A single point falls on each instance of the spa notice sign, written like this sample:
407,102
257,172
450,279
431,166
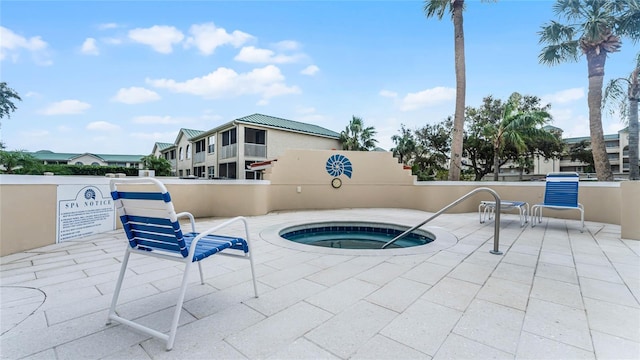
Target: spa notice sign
84,210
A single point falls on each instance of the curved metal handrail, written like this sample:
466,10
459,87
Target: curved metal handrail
496,230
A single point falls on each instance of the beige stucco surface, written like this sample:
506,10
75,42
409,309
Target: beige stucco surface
299,180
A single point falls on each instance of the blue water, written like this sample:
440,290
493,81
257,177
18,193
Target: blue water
345,236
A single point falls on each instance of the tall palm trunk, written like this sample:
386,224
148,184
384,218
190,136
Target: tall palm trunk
634,97
595,65
455,164
496,162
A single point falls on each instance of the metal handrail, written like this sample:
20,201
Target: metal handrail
496,230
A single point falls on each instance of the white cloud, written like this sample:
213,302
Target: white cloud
102,126
224,82
112,41
387,93
207,37
90,47
155,136
155,120
564,96
413,101
135,95
287,45
305,110
108,26
66,107
160,38
251,54
32,94
12,44
35,133
262,102
310,70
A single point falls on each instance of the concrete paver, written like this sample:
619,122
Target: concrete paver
554,293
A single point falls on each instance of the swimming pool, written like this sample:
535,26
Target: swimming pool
355,235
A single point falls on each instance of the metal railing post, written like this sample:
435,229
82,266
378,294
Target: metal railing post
496,229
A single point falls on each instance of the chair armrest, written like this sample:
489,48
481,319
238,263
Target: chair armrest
191,219
218,227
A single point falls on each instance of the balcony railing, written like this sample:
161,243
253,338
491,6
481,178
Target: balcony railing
199,157
229,151
255,150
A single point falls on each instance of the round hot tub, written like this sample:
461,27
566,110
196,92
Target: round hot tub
355,235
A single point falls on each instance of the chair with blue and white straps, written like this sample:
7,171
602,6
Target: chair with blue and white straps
152,229
560,193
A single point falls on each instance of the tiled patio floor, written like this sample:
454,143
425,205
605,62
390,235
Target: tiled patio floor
556,293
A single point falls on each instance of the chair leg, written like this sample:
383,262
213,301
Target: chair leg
176,313
253,273
201,275
116,292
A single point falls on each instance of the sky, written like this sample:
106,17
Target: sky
115,77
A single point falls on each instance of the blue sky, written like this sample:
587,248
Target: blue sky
116,77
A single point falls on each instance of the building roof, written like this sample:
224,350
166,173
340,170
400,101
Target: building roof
575,140
163,146
272,121
47,155
188,133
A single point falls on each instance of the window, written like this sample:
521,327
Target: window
188,172
173,154
255,136
250,174
227,170
95,164
79,163
188,151
212,144
229,137
198,171
180,173
200,146
181,154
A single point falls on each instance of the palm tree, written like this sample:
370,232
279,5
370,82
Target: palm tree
405,145
595,28
515,126
438,8
358,137
10,161
627,101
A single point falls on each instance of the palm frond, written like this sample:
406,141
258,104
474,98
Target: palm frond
437,8
556,54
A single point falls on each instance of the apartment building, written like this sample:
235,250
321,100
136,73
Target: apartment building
50,157
226,151
617,150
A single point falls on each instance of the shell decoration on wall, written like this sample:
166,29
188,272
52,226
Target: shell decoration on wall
339,164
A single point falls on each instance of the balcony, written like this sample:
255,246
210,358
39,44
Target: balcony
229,151
255,150
199,157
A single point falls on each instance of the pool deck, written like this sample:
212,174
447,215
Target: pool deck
555,293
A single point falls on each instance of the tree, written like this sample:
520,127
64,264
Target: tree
625,93
7,97
161,165
516,126
432,149
405,145
438,8
581,152
594,28
478,142
358,137
12,162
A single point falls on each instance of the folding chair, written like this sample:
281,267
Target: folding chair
152,228
561,193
